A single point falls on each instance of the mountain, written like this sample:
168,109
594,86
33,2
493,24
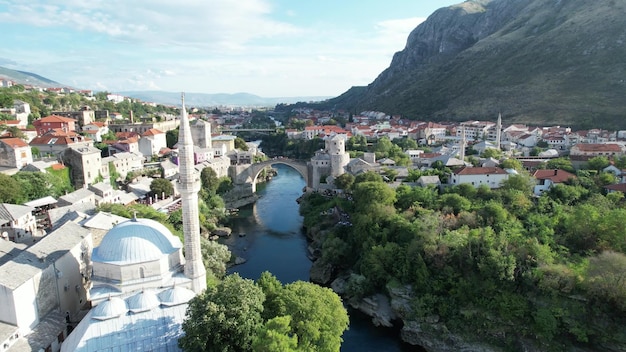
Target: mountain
536,61
222,99
23,77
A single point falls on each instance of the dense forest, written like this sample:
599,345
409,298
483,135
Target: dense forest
497,266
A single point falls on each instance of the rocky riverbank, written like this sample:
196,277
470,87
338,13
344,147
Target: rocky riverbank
393,307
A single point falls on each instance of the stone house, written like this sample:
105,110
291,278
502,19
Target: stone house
15,153
85,164
17,223
124,162
96,130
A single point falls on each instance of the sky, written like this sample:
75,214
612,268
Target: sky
270,48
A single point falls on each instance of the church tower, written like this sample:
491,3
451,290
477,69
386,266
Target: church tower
189,186
498,130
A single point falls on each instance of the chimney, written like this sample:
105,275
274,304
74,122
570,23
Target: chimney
556,171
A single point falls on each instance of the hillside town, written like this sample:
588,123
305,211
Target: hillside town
47,242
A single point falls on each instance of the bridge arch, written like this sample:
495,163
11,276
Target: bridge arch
250,174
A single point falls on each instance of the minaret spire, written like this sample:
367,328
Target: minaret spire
498,130
189,186
463,144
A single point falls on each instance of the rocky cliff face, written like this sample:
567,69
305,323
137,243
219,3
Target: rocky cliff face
536,61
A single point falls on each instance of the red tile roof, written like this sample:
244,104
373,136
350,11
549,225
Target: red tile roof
590,147
152,132
54,118
14,142
620,187
554,175
480,171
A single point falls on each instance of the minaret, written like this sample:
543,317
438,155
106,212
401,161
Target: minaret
463,144
189,186
498,130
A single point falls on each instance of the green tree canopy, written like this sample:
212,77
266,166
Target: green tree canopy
162,187
318,317
240,144
344,181
225,318
209,180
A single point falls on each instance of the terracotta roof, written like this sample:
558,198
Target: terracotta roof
152,132
554,175
620,187
14,142
57,166
480,171
10,122
590,147
54,118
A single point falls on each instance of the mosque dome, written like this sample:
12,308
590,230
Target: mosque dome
111,308
136,241
142,301
176,295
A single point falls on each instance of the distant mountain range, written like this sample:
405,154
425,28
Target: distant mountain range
548,62
23,77
220,99
169,98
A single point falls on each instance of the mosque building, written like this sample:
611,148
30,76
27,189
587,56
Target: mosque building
141,280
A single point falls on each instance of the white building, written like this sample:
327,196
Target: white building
151,143
43,287
477,176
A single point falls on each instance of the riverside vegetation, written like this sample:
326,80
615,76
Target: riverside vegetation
499,268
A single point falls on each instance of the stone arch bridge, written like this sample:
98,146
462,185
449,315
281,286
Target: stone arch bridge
249,175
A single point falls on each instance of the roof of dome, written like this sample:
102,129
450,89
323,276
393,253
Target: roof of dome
142,301
176,295
136,241
111,308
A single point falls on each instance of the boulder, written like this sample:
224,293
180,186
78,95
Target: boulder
321,273
222,231
377,307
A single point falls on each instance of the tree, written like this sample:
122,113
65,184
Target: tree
368,193
276,335
455,202
224,318
512,164
560,163
209,180
491,153
598,163
215,256
344,181
520,182
10,190
162,187
607,278
171,138
240,144
318,316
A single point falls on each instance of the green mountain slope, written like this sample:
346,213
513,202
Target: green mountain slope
536,61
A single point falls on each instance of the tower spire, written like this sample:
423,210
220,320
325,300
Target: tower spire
189,186
498,130
463,144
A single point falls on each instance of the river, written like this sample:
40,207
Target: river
269,236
